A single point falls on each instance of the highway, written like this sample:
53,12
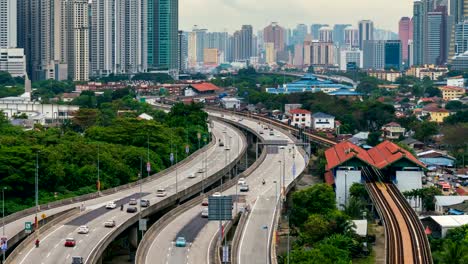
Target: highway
52,248
200,233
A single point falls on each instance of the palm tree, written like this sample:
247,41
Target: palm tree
454,253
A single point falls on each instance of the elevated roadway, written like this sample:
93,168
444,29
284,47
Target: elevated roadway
262,199
52,248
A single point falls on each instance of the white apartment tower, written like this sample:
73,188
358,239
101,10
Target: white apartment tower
8,23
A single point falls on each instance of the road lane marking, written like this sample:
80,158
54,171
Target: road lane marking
29,252
243,231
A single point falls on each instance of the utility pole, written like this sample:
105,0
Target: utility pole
98,171
176,172
148,158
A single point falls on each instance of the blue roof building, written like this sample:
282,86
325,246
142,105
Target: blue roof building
310,83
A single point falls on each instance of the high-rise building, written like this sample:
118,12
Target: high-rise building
218,40
436,46
163,27
192,49
270,53
275,34
103,41
350,56
8,22
322,53
298,59
299,34
419,31
211,57
351,37
314,30
339,33
366,31
405,33
13,61
326,34
183,50
461,37
76,36
374,54
393,54
242,43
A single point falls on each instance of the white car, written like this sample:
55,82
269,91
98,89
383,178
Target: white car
83,229
201,170
133,201
110,223
192,176
161,192
111,205
242,181
216,194
204,213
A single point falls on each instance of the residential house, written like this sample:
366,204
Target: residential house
436,158
230,103
393,130
322,121
443,202
452,92
438,225
436,114
300,117
413,143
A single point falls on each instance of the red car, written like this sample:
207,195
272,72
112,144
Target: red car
205,202
70,242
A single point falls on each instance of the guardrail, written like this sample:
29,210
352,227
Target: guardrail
52,221
168,201
18,215
237,236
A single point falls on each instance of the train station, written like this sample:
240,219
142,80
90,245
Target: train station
348,163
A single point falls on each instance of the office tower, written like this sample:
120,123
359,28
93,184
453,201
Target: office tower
13,61
366,31
288,37
436,47
326,34
274,34
192,49
314,30
410,53
77,38
374,54
393,54
339,33
270,53
163,27
103,42
405,33
254,46
461,37
419,31
350,56
322,53
217,40
299,34
298,59
202,43
8,23
211,57
383,34
351,37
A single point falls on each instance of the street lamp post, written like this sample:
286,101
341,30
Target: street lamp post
3,218
280,179
98,171
265,227
276,190
36,184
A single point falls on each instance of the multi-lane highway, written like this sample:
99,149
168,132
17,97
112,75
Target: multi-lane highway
52,248
261,198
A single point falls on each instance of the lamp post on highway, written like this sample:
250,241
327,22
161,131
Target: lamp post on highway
276,190
176,173
36,184
98,171
280,180
265,227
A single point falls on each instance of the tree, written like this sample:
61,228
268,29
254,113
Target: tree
315,229
458,117
85,118
367,85
358,190
452,253
6,79
454,105
425,130
318,199
427,196
373,138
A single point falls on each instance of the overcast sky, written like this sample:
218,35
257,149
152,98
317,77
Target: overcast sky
220,15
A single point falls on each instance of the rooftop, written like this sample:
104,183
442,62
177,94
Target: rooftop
450,220
204,87
299,111
443,200
344,151
387,153
322,115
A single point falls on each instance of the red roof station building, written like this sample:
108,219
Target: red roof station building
205,88
347,161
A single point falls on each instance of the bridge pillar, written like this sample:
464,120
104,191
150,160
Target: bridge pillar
133,237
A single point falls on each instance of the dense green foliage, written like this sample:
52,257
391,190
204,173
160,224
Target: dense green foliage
427,195
10,86
324,234
453,248
68,155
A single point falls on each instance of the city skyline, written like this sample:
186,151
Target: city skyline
235,13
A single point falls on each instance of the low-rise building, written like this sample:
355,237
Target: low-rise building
322,121
436,158
443,202
230,102
436,114
457,81
205,88
393,130
438,225
452,92
431,71
300,117
390,76
13,61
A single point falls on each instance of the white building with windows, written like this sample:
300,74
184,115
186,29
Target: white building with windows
300,117
13,61
322,121
351,56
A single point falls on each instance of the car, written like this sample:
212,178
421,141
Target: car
241,181
161,192
272,133
221,144
144,203
132,209
133,201
244,188
111,205
77,260
201,170
204,213
227,148
216,194
180,242
261,132
109,223
192,176
83,229
70,242
205,202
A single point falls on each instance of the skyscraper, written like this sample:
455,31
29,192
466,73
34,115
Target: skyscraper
8,22
326,34
322,53
405,33
102,38
436,47
314,30
374,54
299,34
419,31
163,27
183,51
393,54
339,33
276,35
218,40
351,37
366,31
242,48
461,37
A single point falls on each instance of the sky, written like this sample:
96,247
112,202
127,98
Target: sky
229,15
